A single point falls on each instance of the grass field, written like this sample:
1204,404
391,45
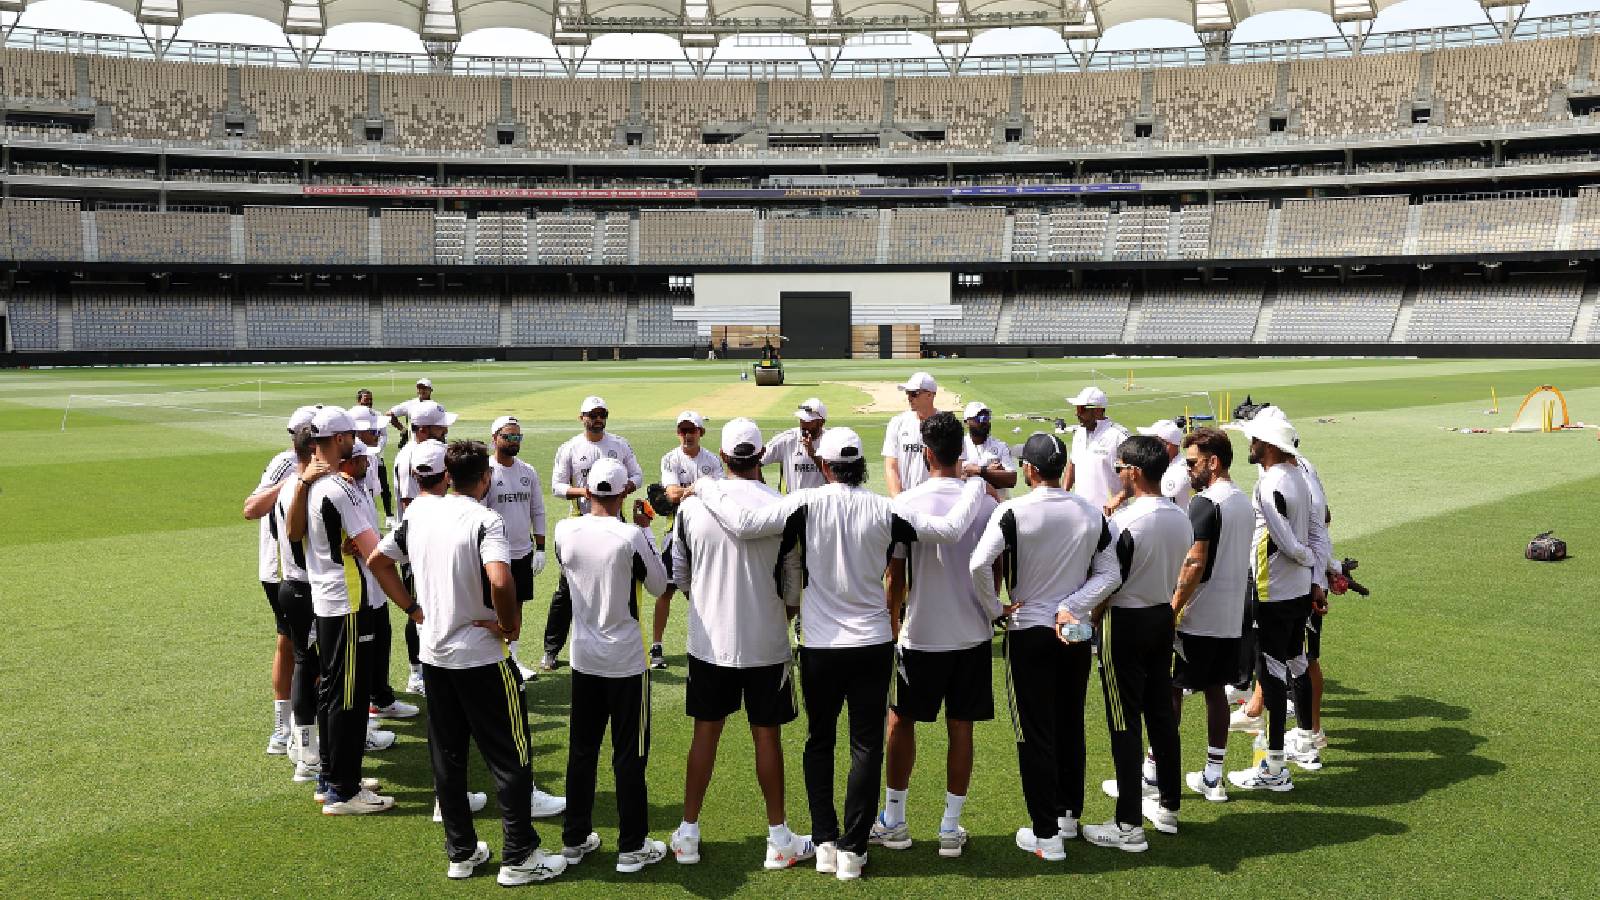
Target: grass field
134,699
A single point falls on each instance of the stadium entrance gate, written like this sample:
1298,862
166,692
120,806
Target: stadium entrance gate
814,325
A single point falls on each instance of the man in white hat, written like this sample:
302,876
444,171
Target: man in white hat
258,506
680,467
1284,586
568,479
358,469
407,408
986,456
1175,482
740,597
515,494
903,465
847,646
1091,464
429,422
604,558
796,448
377,443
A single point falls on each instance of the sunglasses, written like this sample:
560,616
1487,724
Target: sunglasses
981,418
513,438
1193,463
597,414
915,393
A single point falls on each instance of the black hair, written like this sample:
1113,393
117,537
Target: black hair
360,392
304,441
942,433
743,465
429,482
852,473
466,461
1212,442
1146,453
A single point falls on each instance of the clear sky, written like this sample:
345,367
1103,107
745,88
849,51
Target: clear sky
80,15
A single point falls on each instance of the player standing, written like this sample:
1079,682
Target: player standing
1091,467
681,467
903,465
796,448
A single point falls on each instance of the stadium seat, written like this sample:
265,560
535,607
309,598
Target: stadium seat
126,322
1527,309
705,236
1064,315
1208,104
306,320
1190,314
33,322
1334,314
845,236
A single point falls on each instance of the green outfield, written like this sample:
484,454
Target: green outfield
135,704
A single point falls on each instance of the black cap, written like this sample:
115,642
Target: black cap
1045,452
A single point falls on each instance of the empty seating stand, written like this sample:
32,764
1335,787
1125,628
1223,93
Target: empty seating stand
850,238
305,234
1489,224
568,320
1334,314
959,234
151,323
656,325
1215,314
43,229
181,237
1529,309
980,313
307,319
1066,316
704,236
1357,226
435,320
33,321
407,236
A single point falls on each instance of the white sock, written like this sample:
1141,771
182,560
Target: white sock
1214,759
280,717
511,648
1274,761
779,835
689,829
952,812
894,807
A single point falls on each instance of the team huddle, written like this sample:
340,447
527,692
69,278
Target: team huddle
1132,553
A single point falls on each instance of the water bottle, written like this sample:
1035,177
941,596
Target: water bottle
1075,632
1258,753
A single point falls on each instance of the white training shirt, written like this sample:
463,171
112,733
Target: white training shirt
800,471
1094,459
1059,556
403,410
291,554
678,468
902,440
373,591
605,561
448,540
1221,516
943,611
374,462
846,534
578,454
334,511
278,468
738,594
993,450
1319,539
405,480
1283,557
514,493
1152,537
1175,483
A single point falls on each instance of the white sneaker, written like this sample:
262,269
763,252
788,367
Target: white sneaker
278,744
1147,788
466,867
363,803
379,740
1128,838
575,855
529,673
1067,827
952,842
547,805
304,772
798,851
685,848
1165,820
649,853
415,685
539,866
1244,723
850,865
476,801
1302,751
367,784
399,709
828,858
894,837
1049,849
1320,739
1261,778
548,663
1215,791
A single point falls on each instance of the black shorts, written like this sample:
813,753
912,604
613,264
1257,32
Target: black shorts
1200,662
1314,636
278,618
715,692
962,681
522,575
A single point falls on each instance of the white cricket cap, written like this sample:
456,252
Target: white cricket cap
502,422
742,438
920,381
839,445
1091,397
607,478
1270,430
429,412
590,404
360,449
974,408
302,417
425,382
427,458
812,410
1167,430
1271,413
331,420
365,418
690,415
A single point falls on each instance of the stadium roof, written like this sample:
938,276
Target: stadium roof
703,23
